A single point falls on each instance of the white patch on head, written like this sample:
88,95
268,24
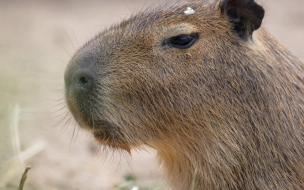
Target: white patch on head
189,11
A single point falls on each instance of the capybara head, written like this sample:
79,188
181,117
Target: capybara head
220,100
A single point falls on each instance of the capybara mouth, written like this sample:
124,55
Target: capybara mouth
105,133
111,136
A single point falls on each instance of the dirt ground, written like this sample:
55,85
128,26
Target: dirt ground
37,39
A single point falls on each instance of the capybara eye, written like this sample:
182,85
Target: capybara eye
182,41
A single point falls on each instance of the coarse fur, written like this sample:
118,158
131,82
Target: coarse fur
226,113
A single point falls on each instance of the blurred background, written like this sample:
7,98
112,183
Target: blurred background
37,39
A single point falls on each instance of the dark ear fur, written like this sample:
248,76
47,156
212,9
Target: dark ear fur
245,15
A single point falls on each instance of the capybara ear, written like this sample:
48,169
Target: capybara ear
245,15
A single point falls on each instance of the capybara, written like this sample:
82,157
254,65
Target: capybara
205,85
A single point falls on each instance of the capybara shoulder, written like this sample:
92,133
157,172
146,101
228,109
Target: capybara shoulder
204,84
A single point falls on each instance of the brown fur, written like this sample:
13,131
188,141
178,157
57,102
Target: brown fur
223,114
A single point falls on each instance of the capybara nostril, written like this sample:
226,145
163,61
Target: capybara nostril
84,80
78,81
